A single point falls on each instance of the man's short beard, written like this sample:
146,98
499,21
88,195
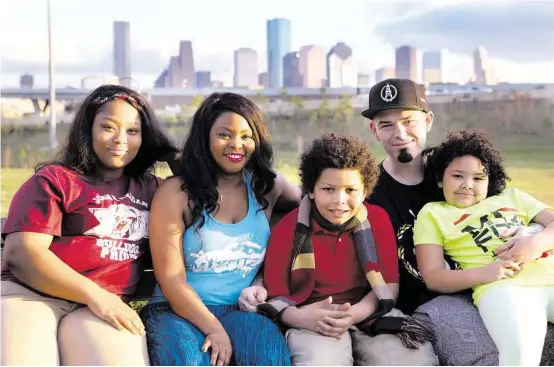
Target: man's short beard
404,156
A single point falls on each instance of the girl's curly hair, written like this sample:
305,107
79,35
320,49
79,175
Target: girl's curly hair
458,144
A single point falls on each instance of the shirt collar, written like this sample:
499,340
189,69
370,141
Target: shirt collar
317,229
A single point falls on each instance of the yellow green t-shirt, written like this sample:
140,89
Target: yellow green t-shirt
470,235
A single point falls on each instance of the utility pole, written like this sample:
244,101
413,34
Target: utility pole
53,139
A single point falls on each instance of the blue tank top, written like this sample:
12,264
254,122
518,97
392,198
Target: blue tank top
223,259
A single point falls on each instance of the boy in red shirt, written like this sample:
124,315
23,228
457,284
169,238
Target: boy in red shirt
331,268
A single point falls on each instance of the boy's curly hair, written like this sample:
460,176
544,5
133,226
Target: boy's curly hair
474,143
337,151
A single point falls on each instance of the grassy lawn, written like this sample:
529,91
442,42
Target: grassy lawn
530,168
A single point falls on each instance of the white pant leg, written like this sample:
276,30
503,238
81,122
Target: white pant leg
515,318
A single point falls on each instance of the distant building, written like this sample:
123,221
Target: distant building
341,70
433,66
313,66
263,80
246,68
174,75
406,63
162,80
482,69
180,73
186,63
291,70
122,52
26,81
384,73
203,79
278,45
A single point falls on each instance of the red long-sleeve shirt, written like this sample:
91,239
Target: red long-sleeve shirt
338,272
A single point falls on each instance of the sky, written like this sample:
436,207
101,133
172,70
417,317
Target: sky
519,34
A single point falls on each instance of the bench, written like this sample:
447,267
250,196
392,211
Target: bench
147,282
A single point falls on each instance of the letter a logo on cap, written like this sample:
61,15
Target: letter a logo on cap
388,93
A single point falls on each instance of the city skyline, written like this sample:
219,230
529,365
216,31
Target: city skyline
86,50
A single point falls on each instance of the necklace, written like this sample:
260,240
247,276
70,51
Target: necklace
220,194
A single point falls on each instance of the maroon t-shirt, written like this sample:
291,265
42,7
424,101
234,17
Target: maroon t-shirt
100,228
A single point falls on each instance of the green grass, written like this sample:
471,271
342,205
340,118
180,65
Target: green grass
531,170
12,179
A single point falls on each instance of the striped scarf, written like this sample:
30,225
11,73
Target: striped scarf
302,278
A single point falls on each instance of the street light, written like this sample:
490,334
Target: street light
53,140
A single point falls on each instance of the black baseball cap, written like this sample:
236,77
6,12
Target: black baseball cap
396,94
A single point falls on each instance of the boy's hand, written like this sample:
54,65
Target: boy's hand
327,319
251,297
333,327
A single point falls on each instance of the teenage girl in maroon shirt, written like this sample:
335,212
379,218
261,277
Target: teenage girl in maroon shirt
75,237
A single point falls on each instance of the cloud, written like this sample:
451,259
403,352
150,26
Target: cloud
520,31
142,61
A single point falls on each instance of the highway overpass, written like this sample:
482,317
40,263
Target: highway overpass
69,93
162,97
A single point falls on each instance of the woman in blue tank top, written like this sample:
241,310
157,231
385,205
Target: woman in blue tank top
208,235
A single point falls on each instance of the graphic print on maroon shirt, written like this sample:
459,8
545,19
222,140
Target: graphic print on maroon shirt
100,229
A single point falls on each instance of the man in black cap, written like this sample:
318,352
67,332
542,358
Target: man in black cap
400,119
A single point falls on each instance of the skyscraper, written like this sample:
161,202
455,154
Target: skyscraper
291,70
406,63
122,51
313,66
175,80
433,66
278,45
186,64
481,67
246,68
341,71
203,79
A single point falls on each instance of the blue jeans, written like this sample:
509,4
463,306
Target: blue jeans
173,341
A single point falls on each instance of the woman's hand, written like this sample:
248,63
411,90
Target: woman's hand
112,309
221,347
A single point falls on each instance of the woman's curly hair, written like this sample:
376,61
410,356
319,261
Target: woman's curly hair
474,143
338,151
199,176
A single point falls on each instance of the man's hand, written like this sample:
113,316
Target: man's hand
251,297
521,248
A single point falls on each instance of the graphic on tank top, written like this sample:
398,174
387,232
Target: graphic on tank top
241,254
